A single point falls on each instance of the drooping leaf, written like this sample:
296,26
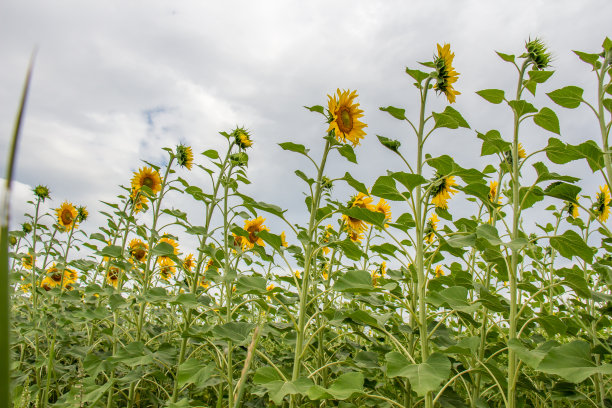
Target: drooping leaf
357,185
547,119
570,244
294,147
397,113
345,386
450,118
348,153
424,377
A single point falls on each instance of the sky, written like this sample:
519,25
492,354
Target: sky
116,81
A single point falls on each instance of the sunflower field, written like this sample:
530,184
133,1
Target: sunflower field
386,298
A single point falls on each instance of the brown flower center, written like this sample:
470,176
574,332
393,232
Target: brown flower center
148,181
345,120
66,217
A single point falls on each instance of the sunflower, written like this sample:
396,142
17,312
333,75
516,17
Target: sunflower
189,262
521,154
297,274
55,277
167,268
204,283
242,138
375,277
384,208
184,156
210,264
253,227
67,216
602,203
442,190
355,235
572,209
493,192
537,54
446,74
345,116
430,230
149,177
270,287
82,214
439,271
162,259
42,192
283,238
112,276
138,249
138,200
27,261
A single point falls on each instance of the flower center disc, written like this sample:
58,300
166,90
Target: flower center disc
346,121
148,181
66,217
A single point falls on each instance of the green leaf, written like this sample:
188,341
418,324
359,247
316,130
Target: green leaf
238,332
574,278
568,97
273,240
354,281
260,205
591,59
505,57
277,390
294,147
254,285
390,144
530,357
193,371
410,181
384,187
571,361
385,248
265,375
522,107
162,249
424,377
559,152
350,249
348,153
345,386
316,108
450,118
571,244
455,297
552,324
540,76
372,217
492,95
547,119
461,240
112,251
492,143
563,191
357,185
212,154
397,113
418,76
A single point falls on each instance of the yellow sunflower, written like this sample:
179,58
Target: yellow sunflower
138,249
270,287
27,261
439,271
149,177
242,138
67,215
283,237
184,156
297,274
430,230
446,74
384,208
112,276
189,262
167,268
55,278
442,191
375,277
138,200
602,203
572,209
493,192
345,116
253,227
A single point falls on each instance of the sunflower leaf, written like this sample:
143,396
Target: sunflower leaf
418,75
505,57
372,217
357,185
492,95
589,59
354,281
384,187
211,153
492,143
162,249
563,191
450,118
547,119
347,152
522,107
316,108
111,251
390,144
410,181
540,76
424,377
571,244
397,113
569,97
294,147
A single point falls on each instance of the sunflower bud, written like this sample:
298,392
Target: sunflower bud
26,227
82,214
242,138
42,192
326,183
184,156
12,240
537,54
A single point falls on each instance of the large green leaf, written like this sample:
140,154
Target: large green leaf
348,153
194,371
238,332
357,185
384,187
572,361
522,107
492,143
568,97
450,118
410,181
277,390
563,191
354,281
424,377
345,386
397,113
571,244
454,297
492,95
294,147
372,217
547,119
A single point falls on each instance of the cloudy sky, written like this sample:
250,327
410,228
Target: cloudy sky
115,81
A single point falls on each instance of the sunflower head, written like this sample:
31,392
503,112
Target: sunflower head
137,200
270,287
384,208
537,53
493,193
27,261
82,214
344,116
572,209
601,207
242,138
138,249
446,75
439,271
184,156
283,237
167,268
442,189
42,192
174,244
149,177
253,227
189,262
67,216
430,230
112,276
